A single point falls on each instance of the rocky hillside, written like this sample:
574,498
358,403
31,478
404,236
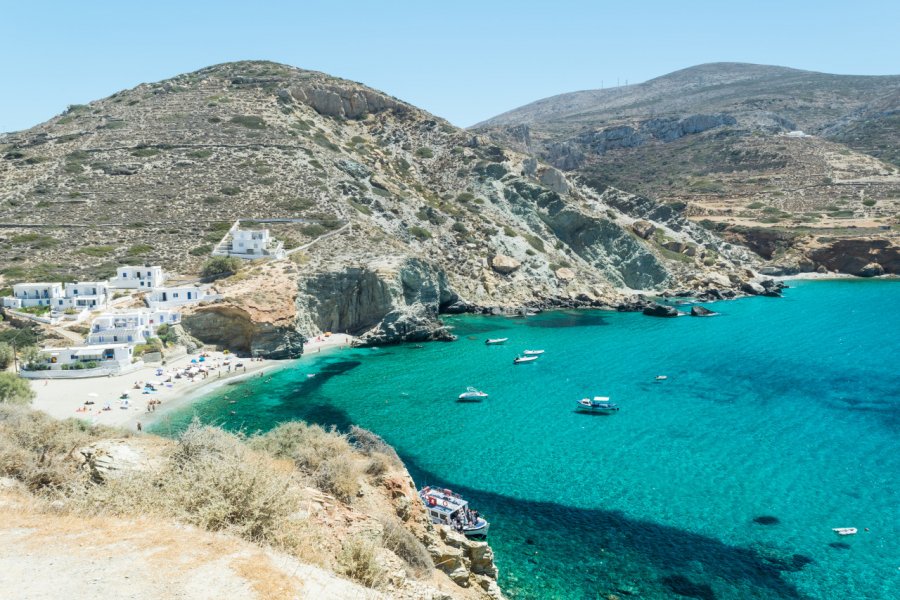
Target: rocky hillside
722,143
298,512
428,218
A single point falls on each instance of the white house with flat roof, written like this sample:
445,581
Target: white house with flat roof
92,295
137,278
84,361
34,294
130,327
169,297
254,243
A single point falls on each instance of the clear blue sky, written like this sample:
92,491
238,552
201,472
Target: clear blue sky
462,60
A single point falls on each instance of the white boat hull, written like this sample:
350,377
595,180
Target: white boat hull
478,530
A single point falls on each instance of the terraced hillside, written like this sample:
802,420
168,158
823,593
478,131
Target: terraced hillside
723,141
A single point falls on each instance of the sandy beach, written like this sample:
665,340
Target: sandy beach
87,398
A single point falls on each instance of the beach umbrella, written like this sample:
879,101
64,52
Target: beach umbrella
93,395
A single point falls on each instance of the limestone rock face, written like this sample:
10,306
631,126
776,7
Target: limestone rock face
701,311
340,101
643,228
234,327
554,180
504,264
111,458
864,257
565,274
660,310
387,300
753,288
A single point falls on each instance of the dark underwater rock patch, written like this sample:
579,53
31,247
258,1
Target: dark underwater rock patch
682,586
766,520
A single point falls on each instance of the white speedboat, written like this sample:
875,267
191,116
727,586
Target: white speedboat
845,530
598,404
472,395
494,341
447,508
524,359
533,352
662,377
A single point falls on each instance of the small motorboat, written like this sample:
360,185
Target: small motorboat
845,530
524,359
662,377
494,341
599,404
533,352
472,395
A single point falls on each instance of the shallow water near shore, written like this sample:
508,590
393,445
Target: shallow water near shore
786,408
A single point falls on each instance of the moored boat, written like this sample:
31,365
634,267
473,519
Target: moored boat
599,404
450,509
524,359
845,530
494,341
533,352
472,395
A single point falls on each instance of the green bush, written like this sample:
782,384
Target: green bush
248,121
419,233
139,249
6,356
14,390
220,266
424,152
230,190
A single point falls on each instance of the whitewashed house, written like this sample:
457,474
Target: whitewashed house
34,294
254,243
137,278
130,327
168,297
83,361
92,295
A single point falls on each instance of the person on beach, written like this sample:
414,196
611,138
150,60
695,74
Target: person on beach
139,426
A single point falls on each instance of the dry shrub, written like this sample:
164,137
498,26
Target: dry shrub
213,481
339,475
370,443
378,465
325,455
37,449
358,560
399,540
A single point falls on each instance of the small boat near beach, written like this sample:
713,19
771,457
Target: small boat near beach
845,530
662,377
472,395
448,508
495,341
524,359
533,352
598,404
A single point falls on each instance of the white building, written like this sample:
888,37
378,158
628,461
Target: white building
168,297
111,358
137,278
34,294
130,327
84,294
254,243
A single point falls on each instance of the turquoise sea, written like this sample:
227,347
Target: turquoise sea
786,408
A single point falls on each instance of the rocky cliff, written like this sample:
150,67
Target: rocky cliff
766,155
